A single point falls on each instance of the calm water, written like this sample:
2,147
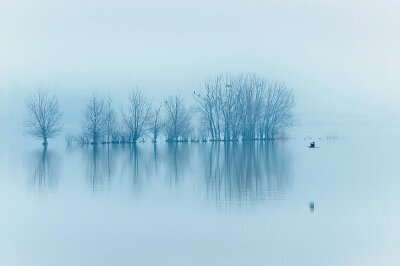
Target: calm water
201,203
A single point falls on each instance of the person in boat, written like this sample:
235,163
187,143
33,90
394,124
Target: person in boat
312,144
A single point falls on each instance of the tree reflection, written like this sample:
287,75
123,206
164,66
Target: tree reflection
135,164
177,157
100,165
233,173
45,172
246,173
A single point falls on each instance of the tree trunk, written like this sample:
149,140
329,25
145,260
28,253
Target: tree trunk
45,141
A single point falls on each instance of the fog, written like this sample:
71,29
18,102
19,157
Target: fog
340,57
326,193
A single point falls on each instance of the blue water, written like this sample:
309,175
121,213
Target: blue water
202,203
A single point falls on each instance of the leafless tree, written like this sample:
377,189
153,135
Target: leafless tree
202,131
137,115
117,133
230,109
210,104
177,124
278,111
251,96
245,105
43,118
95,116
156,125
231,104
110,121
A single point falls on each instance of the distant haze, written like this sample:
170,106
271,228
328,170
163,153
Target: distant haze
340,57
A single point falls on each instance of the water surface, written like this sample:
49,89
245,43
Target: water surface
242,203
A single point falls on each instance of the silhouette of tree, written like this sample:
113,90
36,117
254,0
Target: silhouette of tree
177,124
137,115
156,125
95,119
43,118
110,121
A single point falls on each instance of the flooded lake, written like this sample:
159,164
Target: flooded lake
244,203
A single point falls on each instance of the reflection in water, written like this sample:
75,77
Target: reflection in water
45,172
231,173
249,172
134,165
100,165
177,158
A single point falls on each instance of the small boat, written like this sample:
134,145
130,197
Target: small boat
312,145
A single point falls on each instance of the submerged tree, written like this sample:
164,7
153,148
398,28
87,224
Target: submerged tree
245,105
110,121
278,110
229,108
177,124
156,124
251,94
136,116
94,126
43,118
210,104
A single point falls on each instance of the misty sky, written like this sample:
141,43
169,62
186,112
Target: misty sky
340,57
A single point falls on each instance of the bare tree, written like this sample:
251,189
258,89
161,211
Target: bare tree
278,111
230,108
95,116
231,104
245,105
110,121
136,116
156,125
210,104
251,96
43,118
202,131
177,124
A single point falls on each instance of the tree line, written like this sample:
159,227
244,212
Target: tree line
228,108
